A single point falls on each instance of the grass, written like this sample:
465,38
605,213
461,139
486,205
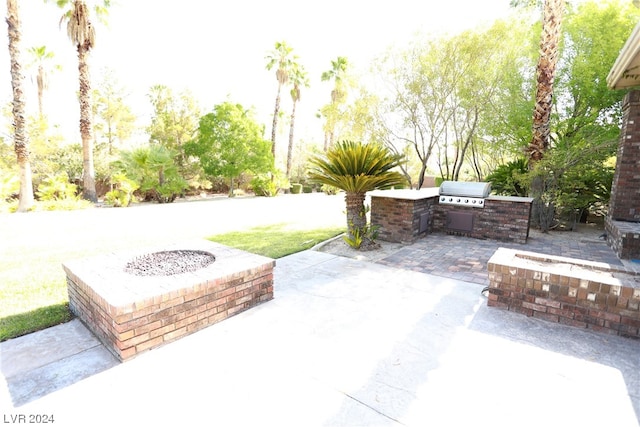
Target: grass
34,320
33,291
33,288
275,241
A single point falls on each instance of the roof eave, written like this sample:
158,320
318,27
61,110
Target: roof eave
628,54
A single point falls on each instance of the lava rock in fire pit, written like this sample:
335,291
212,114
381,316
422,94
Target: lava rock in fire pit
168,263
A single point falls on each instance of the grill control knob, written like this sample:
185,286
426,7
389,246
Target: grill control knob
481,202
442,199
458,200
451,199
474,202
466,200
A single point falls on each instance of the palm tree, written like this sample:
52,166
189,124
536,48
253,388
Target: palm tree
356,168
282,58
545,74
42,59
542,214
82,34
337,73
21,144
298,79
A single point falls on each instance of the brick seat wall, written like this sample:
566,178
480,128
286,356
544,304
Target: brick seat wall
582,299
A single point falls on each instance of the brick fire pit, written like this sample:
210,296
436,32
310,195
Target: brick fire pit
139,300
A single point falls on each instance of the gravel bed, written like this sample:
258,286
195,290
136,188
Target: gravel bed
168,263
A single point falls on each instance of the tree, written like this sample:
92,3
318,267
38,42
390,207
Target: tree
417,112
584,120
113,119
584,114
229,142
82,35
542,212
545,75
298,79
283,59
585,124
587,110
443,95
153,169
337,73
174,123
20,141
356,168
43,59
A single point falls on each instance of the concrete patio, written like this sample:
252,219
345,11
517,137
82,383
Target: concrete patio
345,342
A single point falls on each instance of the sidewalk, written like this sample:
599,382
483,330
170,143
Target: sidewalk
344,343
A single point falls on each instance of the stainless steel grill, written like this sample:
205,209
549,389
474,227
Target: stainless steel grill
464,193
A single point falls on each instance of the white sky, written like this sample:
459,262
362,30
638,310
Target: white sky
217,48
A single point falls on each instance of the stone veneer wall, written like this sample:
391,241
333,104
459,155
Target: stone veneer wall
593,301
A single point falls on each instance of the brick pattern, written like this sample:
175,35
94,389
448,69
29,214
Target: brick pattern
128,330
399,219
564,298
624,238
624,204
503,218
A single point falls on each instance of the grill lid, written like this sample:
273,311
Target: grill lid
465,189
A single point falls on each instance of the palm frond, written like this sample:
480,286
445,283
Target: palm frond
356,167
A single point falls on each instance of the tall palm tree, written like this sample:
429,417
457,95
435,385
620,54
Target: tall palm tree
542,213
282,58
337,74
298,79
545,75
82,35
20,141
356,168
42,58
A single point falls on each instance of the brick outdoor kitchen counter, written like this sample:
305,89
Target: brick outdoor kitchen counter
407,215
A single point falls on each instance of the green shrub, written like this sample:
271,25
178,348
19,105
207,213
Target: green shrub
329,189
296,188
154,168
508,179
307,189
263,185
56,188
122,194
356,237
9,186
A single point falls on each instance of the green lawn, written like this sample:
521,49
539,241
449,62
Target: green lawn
275,241
34,291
